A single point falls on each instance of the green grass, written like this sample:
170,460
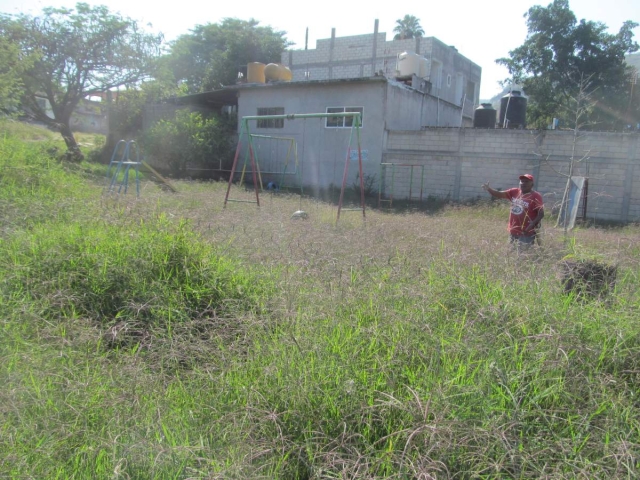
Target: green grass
167,337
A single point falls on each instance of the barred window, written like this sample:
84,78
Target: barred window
343,122
271,122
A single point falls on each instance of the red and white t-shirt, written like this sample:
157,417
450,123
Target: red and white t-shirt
524,208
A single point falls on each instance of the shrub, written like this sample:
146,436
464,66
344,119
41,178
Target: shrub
151,276
588,279
191,139
369,183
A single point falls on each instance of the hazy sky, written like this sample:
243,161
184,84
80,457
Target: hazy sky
481,31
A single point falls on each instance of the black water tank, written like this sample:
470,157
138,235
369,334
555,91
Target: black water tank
484,116
513,107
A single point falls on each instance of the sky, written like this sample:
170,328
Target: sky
481,31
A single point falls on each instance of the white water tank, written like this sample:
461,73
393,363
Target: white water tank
408,64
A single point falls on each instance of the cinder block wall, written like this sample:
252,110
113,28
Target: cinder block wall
371,54
457,162
348,57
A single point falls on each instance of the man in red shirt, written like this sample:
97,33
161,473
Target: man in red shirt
527,209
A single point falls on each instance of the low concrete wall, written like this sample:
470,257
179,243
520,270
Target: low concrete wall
457,162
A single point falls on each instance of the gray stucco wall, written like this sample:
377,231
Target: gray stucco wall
408,109
321,151
404,108
453,64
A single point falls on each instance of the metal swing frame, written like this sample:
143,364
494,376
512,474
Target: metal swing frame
250,155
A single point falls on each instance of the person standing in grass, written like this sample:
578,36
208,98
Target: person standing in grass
527,210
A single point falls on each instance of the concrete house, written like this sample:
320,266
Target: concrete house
361,73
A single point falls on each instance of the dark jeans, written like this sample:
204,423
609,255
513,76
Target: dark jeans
522,239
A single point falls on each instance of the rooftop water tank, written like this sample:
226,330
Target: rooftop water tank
255,72
513,110
408,64
271,71
484,116
285,73
277,72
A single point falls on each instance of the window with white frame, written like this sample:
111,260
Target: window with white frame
343,122
271,122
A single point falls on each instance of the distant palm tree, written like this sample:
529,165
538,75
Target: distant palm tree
408,27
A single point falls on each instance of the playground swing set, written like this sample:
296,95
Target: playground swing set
292,153
251,156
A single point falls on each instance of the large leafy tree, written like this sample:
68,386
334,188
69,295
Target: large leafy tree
212,55
408,27
75,53
127,107
559,54
10,82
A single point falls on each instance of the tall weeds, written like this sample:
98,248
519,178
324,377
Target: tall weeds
166,337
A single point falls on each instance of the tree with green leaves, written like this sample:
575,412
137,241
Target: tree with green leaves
74,53
558,53
10,82
408,27
212,55
202,140
126,110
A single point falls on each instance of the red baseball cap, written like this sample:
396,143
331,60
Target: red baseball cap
526,176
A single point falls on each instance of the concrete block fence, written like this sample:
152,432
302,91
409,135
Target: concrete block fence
458,161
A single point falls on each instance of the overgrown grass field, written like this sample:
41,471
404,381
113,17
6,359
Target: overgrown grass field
168,338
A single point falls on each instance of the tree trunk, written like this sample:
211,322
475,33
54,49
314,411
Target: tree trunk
73,150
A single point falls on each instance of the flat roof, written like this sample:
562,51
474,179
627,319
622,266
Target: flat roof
302,83
229,95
